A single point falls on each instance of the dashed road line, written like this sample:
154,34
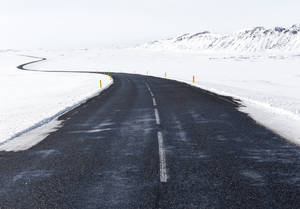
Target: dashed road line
154,102
161,151
157,116
162,158
148,87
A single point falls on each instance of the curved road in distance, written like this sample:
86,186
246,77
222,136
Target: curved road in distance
154,143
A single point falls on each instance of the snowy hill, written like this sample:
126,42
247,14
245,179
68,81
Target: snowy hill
256,40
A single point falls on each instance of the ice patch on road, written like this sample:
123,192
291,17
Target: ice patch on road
90,131
255,177
28,175
46,153
105,124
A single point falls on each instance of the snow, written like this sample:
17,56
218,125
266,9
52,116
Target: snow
30,138
31,99
268,86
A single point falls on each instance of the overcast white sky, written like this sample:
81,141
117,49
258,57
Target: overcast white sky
86,23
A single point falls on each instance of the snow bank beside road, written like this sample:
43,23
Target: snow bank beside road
269,88
31,98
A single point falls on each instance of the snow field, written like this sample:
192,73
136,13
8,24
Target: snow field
30,99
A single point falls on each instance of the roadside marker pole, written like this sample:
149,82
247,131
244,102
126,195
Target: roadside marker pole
100,84
165,74
193,79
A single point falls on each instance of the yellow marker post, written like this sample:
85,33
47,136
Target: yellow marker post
100,84
193,79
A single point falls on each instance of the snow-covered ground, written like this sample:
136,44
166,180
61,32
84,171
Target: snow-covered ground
29,99
268,86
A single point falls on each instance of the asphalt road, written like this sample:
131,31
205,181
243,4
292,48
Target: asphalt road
154,143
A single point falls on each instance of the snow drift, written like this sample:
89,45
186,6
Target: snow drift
256,40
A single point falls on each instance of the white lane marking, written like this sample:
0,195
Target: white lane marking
151,93
156,116
148,87
161,151
154,102
162,158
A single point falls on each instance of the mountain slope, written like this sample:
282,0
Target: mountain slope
258,39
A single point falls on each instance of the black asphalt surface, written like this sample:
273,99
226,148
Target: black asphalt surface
105,155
